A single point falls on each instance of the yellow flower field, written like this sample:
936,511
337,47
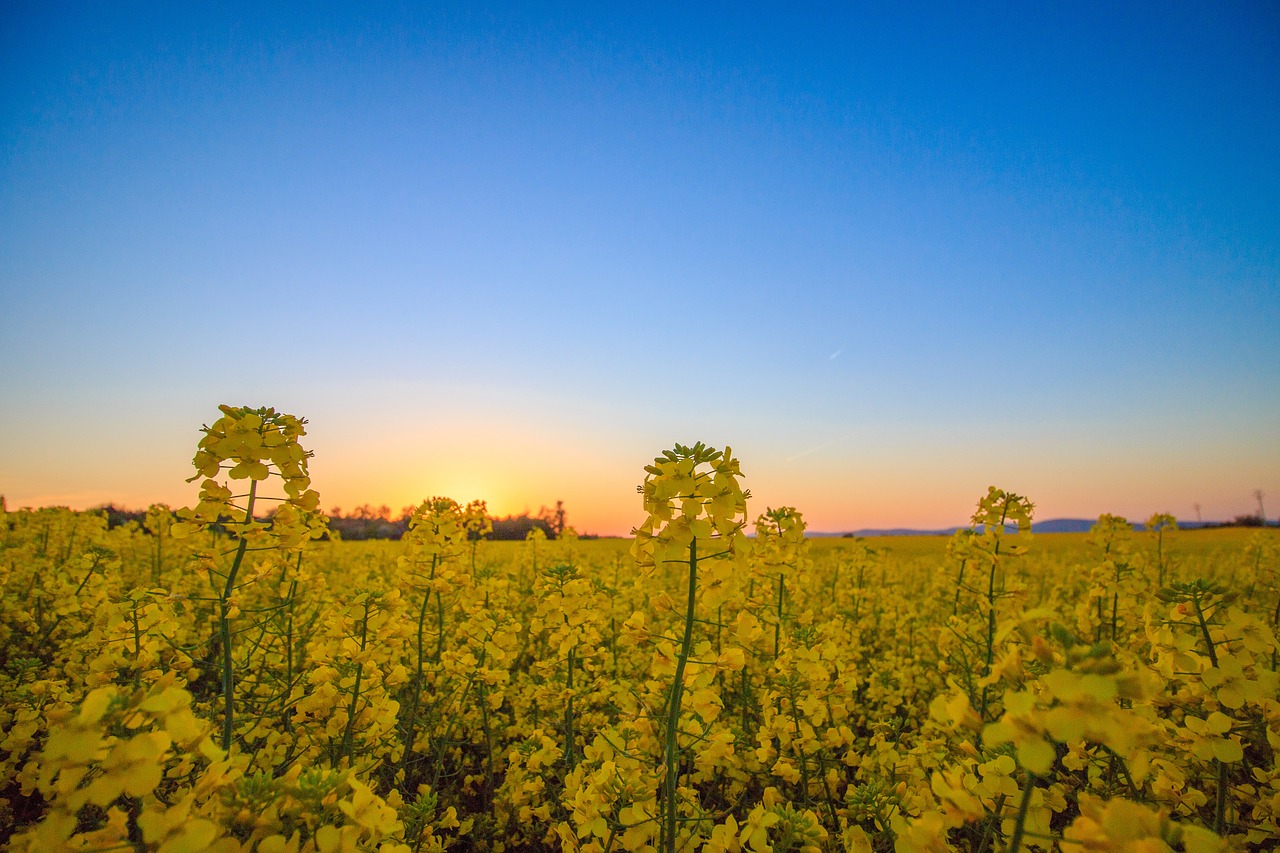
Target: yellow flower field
226,678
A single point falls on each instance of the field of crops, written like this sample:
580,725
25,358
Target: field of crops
235,681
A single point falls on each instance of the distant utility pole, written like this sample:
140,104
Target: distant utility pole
1262,513
1199,520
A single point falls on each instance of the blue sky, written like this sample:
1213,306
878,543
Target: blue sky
891,254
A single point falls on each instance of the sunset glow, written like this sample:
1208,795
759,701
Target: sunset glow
891,258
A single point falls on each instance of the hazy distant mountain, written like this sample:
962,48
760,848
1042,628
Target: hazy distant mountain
905,531
1063,525
1052,525
887,531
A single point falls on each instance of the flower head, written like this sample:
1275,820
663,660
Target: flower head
690,494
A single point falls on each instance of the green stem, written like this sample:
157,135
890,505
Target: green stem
1220,805
349,731
672,753
993,822
955,605
443,742
439,627
1020,825
137,649
777,628
991,613
568,714
1275,623
70,542
991,635
43,550
1160,556
487,794
159,565
411,721
1204,631
48,632
857,600
795,722
288,648
224,626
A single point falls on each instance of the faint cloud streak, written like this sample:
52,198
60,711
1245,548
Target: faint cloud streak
803,453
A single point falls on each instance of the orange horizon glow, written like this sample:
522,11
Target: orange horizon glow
892,476
592,509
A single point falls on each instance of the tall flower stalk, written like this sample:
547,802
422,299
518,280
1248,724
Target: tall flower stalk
780,551
996,511
696,514
254,445
436,539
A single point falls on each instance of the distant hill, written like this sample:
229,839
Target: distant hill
885,531
1064,525
1052,525
889,531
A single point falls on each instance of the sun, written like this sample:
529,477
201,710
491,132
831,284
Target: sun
463,489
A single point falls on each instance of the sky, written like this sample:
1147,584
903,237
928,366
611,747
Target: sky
892,254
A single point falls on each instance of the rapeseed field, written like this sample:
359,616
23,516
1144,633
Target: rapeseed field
227,677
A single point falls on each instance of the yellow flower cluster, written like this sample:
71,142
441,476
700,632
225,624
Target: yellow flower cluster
253,444
691,494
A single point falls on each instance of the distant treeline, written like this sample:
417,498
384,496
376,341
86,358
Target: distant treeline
369,522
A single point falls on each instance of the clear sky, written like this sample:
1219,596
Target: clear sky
892,254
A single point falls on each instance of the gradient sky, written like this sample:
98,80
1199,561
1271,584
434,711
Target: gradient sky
892,255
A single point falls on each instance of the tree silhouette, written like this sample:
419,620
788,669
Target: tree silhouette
553,518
